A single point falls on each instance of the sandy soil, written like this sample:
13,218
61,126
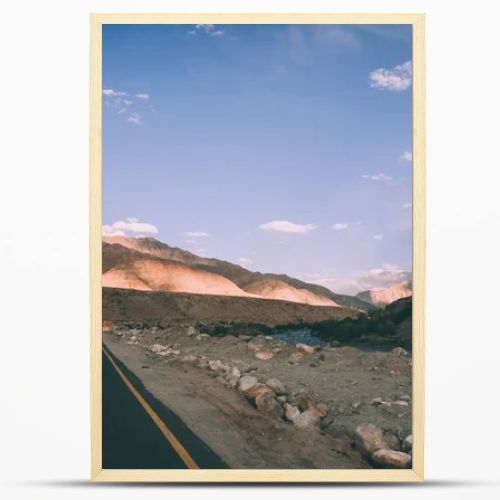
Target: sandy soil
353,386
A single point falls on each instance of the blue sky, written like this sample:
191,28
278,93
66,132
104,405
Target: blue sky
286,148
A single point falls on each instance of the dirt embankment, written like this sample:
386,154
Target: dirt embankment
259,402
171,308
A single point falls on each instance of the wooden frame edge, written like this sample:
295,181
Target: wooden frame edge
416,474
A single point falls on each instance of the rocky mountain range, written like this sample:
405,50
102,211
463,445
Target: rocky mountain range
149,265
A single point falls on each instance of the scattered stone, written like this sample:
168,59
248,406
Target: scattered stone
335,343
282,399
254,347
391,458
308,349
158,349
232,380
377,401
266,403
368,438
400,403
258,389
245,338
277,386
291,412
247,382
392,441
235,371
296,357
215,365
264,355
408,443
309,419
191,331
399,351
405,397
189,359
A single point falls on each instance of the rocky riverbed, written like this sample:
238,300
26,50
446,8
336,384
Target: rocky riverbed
261,402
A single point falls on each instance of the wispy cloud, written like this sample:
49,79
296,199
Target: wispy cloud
357,281
207,29
378,236
196,234
135,118
340,226
142,96
129,225
284,226
407,156
396,79
378,177
114,93
244,261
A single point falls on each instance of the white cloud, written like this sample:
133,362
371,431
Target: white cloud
196,234
339,226
201,250
378,177
129,225
244,261
284,226
378,236
358,281
135,118
191,241
396,79
407,156
113,93
142,96
208,29
407,205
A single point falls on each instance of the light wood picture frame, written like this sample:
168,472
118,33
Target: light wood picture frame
419,247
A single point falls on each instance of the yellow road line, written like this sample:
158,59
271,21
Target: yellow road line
181,451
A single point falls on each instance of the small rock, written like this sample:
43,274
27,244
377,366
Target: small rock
276,385
247,382
235,371
158,349
342,445
266,403
308,349
391,458
189,359
282,399
309,419
296,357
399,351
392,441
291,412
400,403
245,338
335,343
368,438
191,331
408,443
215,364
377,401
232,380
264,355
258,389
405,397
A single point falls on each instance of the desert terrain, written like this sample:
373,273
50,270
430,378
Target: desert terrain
270,372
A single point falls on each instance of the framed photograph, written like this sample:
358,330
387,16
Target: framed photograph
257,247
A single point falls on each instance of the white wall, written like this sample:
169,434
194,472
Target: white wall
43,246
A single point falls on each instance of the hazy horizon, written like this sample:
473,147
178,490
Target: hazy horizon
284,148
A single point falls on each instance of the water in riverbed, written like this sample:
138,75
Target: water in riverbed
298,336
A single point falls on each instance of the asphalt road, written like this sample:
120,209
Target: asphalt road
139,432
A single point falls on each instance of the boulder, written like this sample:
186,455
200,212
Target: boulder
368,438
391,458
258,389
399,351
276,385
392,441
247,382
296,357
291,412
408,443
308,349
309,419
264,355
232,380
266,403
